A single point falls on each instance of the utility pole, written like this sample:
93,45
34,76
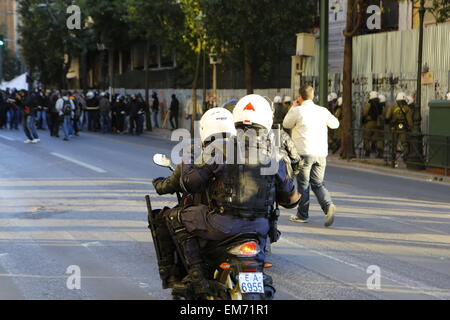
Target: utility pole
323,58
214,60
148,120
204,78
415,160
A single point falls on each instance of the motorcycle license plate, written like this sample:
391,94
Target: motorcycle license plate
251,282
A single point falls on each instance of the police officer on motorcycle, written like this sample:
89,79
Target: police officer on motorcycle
240,194
219,122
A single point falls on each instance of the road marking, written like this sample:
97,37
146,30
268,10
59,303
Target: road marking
415,286
7,138
132,143
87,244
96,169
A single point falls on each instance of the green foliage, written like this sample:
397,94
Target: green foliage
263,28
171,23
41,43
45,38
110,22
255,31
11,64
440,9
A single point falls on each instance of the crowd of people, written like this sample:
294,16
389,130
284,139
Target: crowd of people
71,112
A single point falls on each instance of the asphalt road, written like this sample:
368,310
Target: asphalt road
79,205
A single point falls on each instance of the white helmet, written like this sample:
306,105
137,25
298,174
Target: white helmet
277,99
409,100
373,95
216,121
287,99
401,96
90,94
254,109
448,96
382,98
332,96
339,101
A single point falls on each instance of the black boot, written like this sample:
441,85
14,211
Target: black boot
199,282
169,275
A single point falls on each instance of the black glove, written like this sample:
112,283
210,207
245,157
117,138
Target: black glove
158,184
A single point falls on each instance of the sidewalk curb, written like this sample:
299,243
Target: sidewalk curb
159,133
405,173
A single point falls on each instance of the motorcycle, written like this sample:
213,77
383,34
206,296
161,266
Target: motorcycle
232,271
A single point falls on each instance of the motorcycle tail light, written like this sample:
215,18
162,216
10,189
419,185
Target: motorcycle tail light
247,249
225,266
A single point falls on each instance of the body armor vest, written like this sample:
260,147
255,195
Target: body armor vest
242,190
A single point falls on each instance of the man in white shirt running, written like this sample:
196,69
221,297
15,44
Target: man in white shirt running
309,123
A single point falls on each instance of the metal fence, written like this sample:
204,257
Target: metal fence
416,150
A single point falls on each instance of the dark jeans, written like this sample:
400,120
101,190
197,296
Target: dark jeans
105,123
67,126
41,118
13,118
140,124
174,117
93,120
54,124
76,125
133,124
29,127
312,174
2,117
120,121
155,119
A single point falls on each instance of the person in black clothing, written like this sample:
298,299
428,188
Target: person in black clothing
120,110
140,114
54,123
155,109
174,110
14,109
92,107
40,111
133,114
30,104
114,100
3,111
76,99
45,102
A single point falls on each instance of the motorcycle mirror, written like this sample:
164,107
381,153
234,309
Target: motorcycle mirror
162,160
